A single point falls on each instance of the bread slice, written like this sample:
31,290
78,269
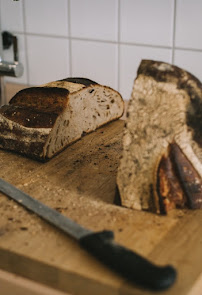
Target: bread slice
41,121
162,144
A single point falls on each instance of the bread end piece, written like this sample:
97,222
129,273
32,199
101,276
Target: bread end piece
165,107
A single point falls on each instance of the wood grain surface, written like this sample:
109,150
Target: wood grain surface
80,183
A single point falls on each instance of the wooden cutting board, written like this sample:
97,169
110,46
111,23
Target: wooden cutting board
80,183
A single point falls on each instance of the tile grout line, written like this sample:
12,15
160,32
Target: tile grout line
25,42
174,32
70,38
118,39
188,49
110,42
97,40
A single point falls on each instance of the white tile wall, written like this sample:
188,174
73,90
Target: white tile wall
189,24
48,59
102,40
46,17
96,61
189,60
130,58
94,19
12,16
146,21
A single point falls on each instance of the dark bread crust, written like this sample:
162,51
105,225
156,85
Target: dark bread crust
168,192
42,99
164,72
28,117
190,180
33,148
86,82
33,151
178,183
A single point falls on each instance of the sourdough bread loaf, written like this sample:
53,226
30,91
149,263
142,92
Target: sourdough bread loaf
41,121
162,144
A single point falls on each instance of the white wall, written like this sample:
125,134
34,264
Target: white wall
103,40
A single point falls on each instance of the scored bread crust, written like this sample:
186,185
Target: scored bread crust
41,121
165,107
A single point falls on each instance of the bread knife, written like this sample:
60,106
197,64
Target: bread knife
101,245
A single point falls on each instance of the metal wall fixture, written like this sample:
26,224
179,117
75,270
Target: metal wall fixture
12,69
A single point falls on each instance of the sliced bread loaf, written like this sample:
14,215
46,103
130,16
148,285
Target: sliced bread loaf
41,121
162,144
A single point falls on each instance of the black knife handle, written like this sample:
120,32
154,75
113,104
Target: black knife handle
127,263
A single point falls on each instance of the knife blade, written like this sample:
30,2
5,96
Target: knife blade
101,245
